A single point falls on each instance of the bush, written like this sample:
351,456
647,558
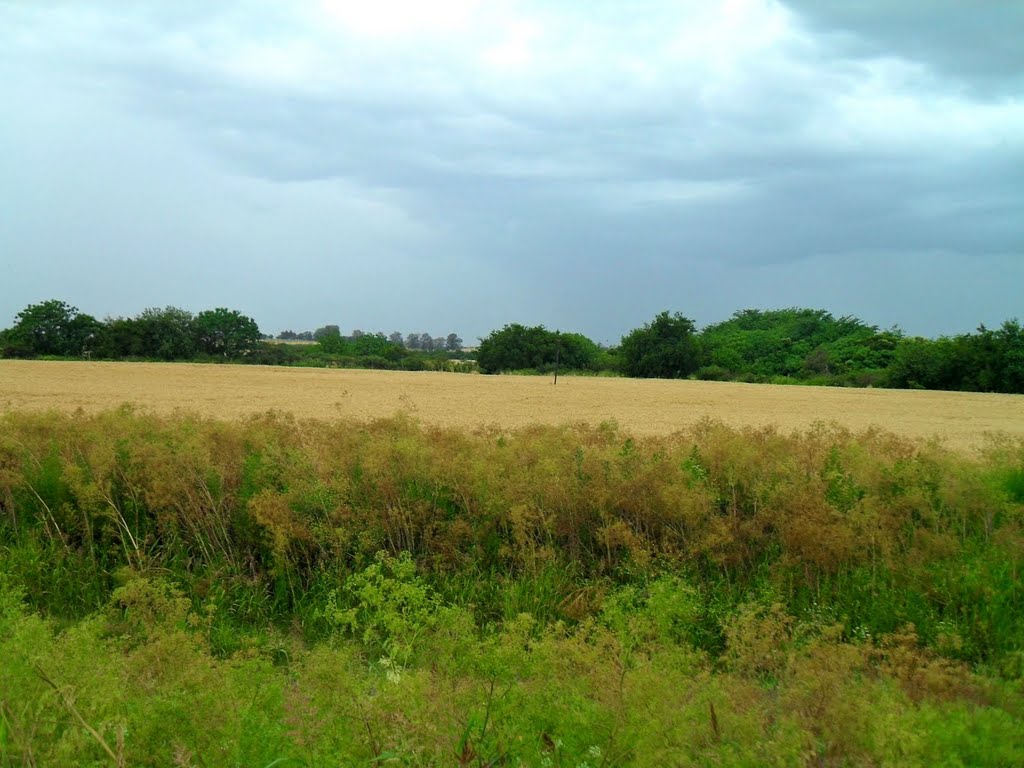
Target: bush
517,348
713,373
667,348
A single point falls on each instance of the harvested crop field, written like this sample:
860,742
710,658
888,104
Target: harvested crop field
643,407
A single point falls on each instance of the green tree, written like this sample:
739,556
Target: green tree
330,339
513,347
327,330
666,348
377,345
1010,338
167,334
453,343
122,338
518,347
576,351
225,333
52,328
920,363
795,342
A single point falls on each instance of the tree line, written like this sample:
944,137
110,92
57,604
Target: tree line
795,345
57,329
414,340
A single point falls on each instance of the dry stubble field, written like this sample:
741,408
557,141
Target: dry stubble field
644,407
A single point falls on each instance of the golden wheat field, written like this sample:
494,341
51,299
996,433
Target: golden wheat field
643,407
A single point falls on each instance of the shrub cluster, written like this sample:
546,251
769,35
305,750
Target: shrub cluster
785,346
56,329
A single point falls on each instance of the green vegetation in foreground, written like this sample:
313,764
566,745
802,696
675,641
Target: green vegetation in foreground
188,592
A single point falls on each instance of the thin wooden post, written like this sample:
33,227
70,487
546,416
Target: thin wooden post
558,350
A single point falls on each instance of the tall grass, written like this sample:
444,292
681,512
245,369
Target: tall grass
565,596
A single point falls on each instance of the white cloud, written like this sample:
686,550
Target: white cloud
891,105
403,20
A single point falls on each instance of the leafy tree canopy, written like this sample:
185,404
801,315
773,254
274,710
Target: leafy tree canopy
168,333
377,345
518,347
667,348
225,333
985,361
330,339
791,342
327,330
453,343
163,334
51,328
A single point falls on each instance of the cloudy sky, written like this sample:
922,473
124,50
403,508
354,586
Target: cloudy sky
455,165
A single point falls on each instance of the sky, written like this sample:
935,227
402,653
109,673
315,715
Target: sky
456,165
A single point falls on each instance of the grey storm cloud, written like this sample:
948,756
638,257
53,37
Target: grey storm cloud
977,43
461,164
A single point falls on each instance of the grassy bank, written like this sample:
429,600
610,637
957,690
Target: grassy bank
196,592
